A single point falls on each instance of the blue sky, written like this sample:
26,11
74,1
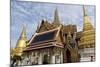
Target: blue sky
31,13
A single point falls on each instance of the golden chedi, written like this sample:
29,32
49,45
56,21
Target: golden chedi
88,35
21,43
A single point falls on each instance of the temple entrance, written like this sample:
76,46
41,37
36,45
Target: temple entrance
46,59
68,55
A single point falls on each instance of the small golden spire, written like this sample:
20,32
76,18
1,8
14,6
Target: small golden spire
84,11
86,21
23,34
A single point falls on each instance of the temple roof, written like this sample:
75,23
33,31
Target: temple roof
69,28
45,26
45,36
43,39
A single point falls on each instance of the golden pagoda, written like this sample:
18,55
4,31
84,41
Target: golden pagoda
21,43
88,35
12,52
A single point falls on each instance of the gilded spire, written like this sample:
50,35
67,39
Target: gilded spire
86,21
23,33
56,17
88,34
84,11
21,43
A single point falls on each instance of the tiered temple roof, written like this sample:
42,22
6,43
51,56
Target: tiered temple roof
44,39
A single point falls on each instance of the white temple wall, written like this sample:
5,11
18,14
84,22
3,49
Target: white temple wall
36,57
87,54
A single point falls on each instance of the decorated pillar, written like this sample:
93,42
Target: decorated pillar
40,58
61,57
52,57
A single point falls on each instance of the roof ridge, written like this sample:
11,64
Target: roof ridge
47,31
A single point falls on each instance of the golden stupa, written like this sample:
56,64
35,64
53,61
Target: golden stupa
88,35
21,43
